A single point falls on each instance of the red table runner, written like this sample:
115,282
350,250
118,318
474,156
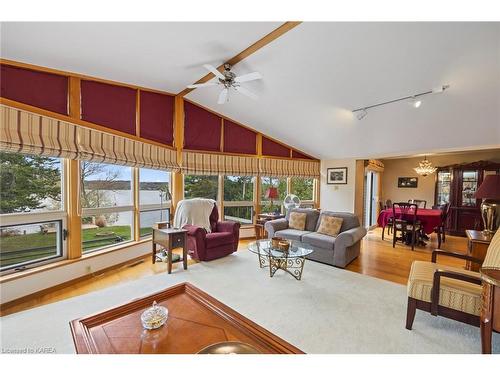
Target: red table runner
428,217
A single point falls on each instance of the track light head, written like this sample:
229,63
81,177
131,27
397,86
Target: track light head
416,103
361,114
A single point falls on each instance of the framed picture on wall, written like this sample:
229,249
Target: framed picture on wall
336,176
407,182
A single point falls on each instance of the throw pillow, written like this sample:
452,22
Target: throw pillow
297,220
330,225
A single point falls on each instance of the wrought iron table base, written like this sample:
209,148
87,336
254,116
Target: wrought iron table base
294,266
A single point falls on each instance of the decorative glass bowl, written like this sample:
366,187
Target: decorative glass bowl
154,317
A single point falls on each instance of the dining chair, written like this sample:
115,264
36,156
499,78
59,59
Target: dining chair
387,206
405,221
419,202
440,231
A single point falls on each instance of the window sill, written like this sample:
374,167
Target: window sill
65,262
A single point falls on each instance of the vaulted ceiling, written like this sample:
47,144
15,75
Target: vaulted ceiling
314,75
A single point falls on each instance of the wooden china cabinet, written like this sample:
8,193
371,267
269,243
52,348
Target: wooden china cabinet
457,184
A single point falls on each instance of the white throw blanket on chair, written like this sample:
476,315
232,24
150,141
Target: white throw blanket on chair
194,211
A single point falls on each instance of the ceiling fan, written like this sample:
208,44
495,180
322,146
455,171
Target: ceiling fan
230,81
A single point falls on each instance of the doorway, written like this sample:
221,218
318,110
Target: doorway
371,198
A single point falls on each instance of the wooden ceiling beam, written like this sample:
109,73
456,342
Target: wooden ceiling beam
273,35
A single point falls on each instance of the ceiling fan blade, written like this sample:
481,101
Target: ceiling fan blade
196,85
248,77
223,96
246,92
214,71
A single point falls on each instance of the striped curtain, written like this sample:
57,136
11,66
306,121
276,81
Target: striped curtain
211,164
289,168
29,133
108,148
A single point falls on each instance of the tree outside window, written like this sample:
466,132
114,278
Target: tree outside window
201,186
303,188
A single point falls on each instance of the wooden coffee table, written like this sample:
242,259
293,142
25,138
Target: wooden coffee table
196,320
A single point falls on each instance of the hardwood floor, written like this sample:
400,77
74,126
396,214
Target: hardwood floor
377,259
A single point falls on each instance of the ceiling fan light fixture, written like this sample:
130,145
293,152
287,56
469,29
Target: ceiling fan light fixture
228,80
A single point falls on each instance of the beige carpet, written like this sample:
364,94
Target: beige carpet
329,311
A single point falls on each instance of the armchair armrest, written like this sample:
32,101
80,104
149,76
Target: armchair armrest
437,252
436,284
227,226
350,237
193,230
273,226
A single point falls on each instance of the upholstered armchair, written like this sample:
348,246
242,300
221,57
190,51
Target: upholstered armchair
447,291
222,241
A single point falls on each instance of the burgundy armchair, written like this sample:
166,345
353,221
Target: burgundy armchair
222,241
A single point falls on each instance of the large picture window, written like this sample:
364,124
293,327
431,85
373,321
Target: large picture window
154,199
238,199
107,205
31,211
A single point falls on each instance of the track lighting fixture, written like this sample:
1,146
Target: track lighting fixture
416,101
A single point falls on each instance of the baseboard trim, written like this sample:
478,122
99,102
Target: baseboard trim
41,293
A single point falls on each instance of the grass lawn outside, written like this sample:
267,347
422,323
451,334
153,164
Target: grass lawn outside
28,247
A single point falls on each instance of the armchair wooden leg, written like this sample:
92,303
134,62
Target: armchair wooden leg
410,312
383,230
443,234
413,239
486,333
394,231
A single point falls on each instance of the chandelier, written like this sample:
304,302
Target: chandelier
425,168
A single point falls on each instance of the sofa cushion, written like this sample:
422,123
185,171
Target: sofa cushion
349,220
291,234
320,240
297,220
455,294
216,239
330,225
311,217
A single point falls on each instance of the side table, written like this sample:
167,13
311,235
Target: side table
170,238
476,247
260,232
490,310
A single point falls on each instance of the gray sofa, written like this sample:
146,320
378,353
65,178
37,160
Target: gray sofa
337,251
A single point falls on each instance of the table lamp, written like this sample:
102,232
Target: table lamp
489,192
272,193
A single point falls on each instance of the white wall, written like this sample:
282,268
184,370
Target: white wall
42,280
338,197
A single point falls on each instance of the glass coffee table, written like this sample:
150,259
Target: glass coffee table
291,261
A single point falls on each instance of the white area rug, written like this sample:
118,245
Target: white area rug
329,311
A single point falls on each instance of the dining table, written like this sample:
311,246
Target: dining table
429,218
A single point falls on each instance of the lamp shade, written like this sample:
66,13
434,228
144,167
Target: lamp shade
272,193
490,188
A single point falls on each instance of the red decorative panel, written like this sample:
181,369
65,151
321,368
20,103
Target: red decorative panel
201,129
271,148
39,89
300,155
109,105
157,117
238,139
